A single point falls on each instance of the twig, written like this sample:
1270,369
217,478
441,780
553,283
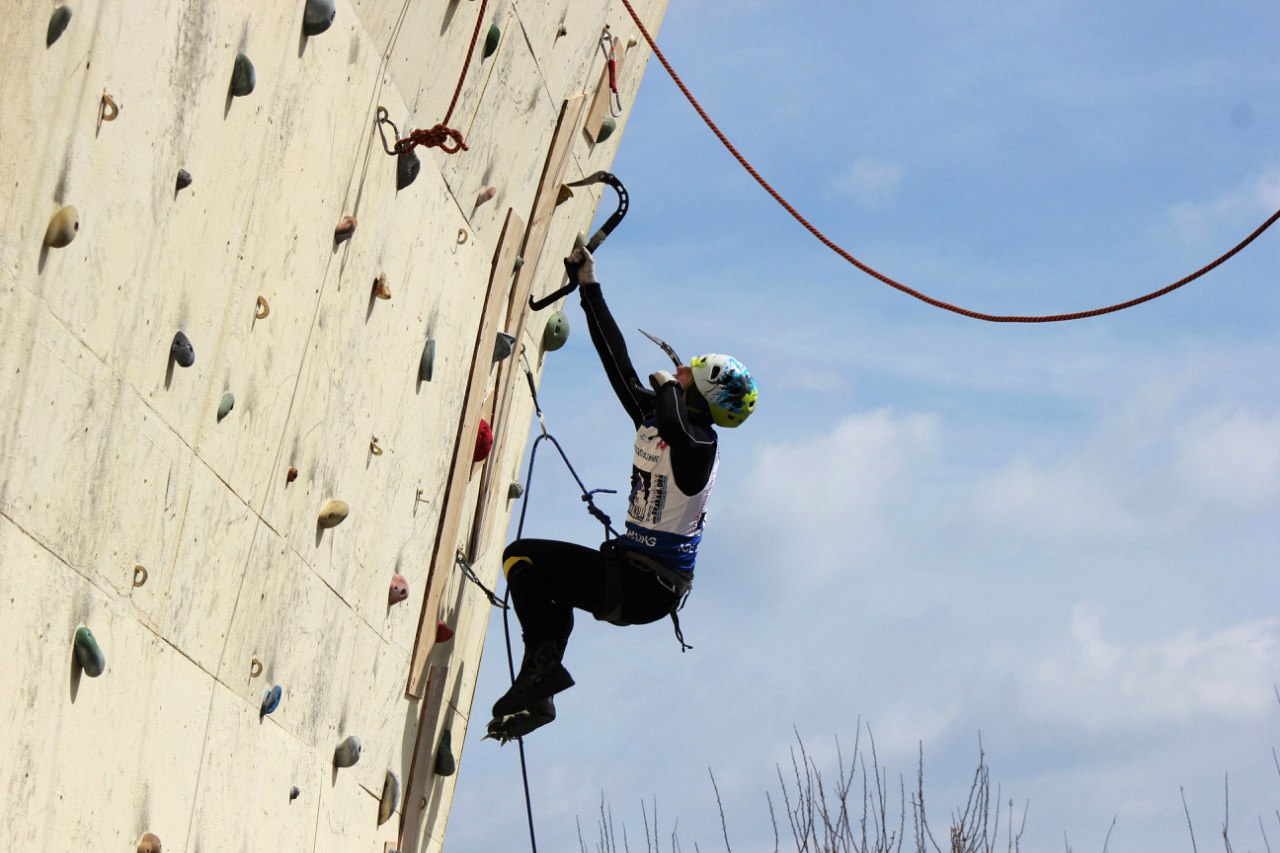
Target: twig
724,828
1183,794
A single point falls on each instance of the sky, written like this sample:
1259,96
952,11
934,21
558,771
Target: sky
1056,544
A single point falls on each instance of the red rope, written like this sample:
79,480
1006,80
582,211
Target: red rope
442,135
874,273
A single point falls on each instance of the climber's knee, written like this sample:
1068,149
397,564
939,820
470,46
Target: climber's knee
513,561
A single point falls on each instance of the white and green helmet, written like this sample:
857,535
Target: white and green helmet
727,387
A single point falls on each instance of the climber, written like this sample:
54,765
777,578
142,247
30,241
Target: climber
646,573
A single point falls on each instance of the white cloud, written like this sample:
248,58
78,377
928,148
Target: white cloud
1197,222
869,181
1093,683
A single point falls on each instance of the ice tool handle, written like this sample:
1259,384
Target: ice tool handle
597,238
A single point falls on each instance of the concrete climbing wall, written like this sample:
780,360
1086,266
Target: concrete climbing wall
185,536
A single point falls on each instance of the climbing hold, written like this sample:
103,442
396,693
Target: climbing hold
514,491
580,240
491,41
293,793
462,236
347,753
226,405
407,167
381,289
608,125
484,441
375,449
564,194
184,179
243,77
318,16
556,332
519,263
503,346
390,797
445,765
57,23
255,668
332,514
262,309
139,575
346,227
486,194
149,843
108,110
88,653
443,632
182,351
399,590
428,361
270,701
291,474
62,228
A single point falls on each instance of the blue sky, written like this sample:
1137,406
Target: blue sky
1060,539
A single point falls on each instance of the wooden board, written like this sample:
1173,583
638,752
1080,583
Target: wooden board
510,371
464,447
422,770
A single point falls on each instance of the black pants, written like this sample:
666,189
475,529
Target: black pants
548,579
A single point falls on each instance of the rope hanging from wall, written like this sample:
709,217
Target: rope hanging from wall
874,273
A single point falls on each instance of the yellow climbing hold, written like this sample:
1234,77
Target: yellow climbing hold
333,513
63,228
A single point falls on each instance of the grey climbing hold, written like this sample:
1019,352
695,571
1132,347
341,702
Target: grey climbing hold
491,41
390,798
57,23
514,491
226,405
518,264
407,167
149,843
243,77
63,228
445,765
89,653
556,332
503,346
293,793
608,125
270,701
184,179
182,351
332,513
347,753
318,16
428,361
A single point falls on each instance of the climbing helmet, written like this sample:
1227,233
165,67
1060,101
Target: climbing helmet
727,387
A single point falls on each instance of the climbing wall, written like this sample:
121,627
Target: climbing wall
205,537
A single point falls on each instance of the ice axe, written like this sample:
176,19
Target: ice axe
666,347
597,238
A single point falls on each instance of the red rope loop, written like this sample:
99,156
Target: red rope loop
876,274
446,139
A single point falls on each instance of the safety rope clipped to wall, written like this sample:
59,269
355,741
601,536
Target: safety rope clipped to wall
874,273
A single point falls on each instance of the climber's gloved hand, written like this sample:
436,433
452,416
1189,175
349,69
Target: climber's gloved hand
581,266
659,378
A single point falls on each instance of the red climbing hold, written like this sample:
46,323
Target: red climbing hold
443,632
399,590
484,441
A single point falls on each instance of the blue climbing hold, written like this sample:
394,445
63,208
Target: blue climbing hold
182,351
270,701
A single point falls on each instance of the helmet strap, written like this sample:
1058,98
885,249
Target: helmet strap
696,404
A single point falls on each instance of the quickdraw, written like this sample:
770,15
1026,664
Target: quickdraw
597,238
611,61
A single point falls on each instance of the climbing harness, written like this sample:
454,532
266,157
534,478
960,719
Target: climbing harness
611,62
624,202
441,136
876,274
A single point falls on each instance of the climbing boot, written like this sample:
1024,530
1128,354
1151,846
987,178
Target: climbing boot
519,724
541,676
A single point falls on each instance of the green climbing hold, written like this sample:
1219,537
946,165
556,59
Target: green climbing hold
390,798
57,23
407,167
607,126
491,41
556,332
580,241
428,361
89,653
243,77
333,513
318,16
347,753
228,403
503,346
63,228
445,765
